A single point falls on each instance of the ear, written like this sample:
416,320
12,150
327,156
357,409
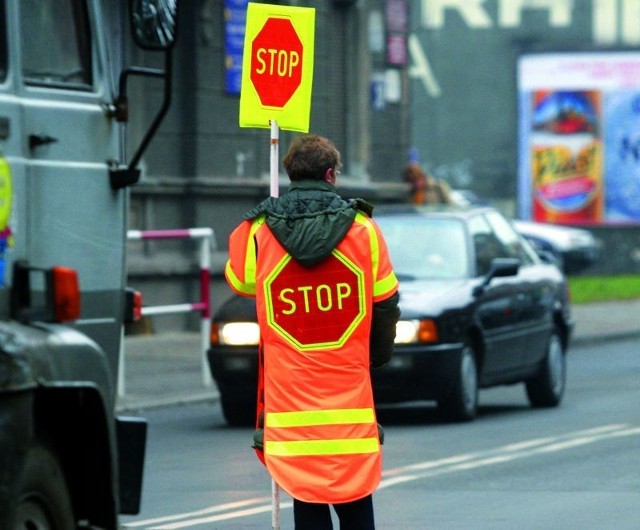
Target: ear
330,176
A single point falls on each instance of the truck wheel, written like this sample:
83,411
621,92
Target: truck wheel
461,404
547,387
43,497
238,413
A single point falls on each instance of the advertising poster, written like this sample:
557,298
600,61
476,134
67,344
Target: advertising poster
622,164
579,137
566,153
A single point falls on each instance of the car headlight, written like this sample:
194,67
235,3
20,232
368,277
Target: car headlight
235,333
413,331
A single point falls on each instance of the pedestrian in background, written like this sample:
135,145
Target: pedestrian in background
317,430
425,189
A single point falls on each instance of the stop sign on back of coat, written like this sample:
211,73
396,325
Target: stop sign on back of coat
318,308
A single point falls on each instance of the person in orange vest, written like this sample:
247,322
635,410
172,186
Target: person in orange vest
327,306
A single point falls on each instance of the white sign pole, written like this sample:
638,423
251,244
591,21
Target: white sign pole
275,505
275,144
275,191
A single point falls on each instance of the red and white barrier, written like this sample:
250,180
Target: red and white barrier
203,305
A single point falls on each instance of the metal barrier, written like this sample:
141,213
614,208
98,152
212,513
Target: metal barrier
205,235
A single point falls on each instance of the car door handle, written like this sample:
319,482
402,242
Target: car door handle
36,140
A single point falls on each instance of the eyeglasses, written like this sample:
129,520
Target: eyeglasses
337,173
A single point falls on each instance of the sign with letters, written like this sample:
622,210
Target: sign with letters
579,123
277,68
323,311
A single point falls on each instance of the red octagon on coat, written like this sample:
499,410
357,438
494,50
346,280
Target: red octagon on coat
276,62
318,310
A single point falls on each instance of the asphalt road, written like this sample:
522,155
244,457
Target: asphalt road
574,467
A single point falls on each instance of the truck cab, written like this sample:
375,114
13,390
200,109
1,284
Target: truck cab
66,460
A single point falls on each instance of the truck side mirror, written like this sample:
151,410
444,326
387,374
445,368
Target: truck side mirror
153,23
153,26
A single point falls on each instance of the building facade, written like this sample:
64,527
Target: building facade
470,99
438,77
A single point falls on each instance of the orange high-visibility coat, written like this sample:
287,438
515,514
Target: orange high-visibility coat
320,431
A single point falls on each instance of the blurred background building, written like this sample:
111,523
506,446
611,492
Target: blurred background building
434,78
203,170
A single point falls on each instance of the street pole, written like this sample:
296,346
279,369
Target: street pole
274,164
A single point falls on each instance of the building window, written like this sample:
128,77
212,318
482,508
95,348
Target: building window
56,43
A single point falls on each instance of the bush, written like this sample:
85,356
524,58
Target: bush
585,289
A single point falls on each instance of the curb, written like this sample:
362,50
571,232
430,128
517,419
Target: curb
131,405
176,401
605,337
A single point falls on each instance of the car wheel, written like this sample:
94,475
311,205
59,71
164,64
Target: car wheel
461,404
43,499
547,387
238,413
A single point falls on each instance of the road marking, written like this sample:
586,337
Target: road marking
221,517
408,473
505,453
198,513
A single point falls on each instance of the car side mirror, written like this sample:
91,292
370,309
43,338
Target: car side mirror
154,23
500,268
547,257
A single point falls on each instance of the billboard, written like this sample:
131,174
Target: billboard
579,137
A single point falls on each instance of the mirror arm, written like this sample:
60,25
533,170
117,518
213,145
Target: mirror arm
121,105
123,177
166,103
479,289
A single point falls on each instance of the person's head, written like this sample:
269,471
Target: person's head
312,157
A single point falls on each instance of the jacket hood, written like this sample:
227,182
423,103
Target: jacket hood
310,219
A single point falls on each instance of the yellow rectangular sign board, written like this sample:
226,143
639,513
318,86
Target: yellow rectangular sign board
277,67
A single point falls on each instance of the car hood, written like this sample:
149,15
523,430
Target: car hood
430,297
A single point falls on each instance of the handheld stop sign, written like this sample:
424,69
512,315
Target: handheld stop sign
277,67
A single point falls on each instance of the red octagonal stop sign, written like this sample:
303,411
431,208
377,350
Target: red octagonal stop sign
316,310
276,62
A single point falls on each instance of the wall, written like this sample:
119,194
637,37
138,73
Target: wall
464,79
464,120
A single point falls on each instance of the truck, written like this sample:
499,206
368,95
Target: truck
67,459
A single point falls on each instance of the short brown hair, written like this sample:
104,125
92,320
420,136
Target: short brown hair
310,156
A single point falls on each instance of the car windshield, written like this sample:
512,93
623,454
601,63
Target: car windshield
425,248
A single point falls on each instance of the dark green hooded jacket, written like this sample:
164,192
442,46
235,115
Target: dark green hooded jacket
309,221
